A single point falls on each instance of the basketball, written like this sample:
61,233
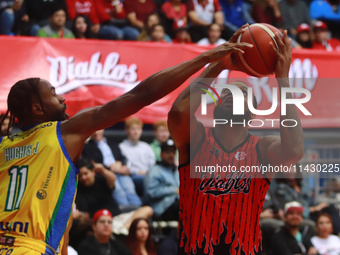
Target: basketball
259,60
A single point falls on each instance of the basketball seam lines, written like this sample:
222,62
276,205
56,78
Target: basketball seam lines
259,50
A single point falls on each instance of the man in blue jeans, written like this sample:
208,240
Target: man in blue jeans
100,150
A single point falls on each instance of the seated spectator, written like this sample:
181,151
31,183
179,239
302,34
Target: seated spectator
158,34
88,8
9,12
107,153
150,21
139,154
36,14
162,184
267,11
304,37
321,38
290,240
201,14
294,13
325,243
161,133
139,239
56,28
112,17
4,124
292,188
180,30
174,11
214,36
81,27
94,193
102,242
137,11
235,14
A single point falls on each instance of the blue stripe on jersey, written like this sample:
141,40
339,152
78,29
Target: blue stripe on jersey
62,212
63,209
62,145
1,137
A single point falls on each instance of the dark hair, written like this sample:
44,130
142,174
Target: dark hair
88,33
55,9
133,242
84,162
323,214
157,25
20,100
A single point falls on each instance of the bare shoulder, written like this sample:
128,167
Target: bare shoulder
186,150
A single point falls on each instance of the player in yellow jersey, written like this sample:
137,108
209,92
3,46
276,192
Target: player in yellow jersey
38,177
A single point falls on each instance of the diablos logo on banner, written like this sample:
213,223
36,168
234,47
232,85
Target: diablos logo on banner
67,74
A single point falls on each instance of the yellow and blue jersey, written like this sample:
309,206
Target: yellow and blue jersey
38,182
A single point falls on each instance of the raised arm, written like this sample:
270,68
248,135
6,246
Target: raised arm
289,147
83,124
182,121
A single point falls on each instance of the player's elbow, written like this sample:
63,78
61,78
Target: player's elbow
296,154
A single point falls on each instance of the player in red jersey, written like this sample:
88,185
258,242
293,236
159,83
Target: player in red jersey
220,212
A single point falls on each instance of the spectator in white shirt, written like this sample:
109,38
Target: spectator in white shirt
214,36
139,154
325,242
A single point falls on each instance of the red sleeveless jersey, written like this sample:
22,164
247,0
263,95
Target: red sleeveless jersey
220,211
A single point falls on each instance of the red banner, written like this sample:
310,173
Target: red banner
92,72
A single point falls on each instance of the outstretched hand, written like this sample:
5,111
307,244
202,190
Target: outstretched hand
284,55
223,52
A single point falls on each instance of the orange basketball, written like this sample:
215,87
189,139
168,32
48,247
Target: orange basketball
260,60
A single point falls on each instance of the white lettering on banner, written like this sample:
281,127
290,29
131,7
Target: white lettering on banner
302,74
67,75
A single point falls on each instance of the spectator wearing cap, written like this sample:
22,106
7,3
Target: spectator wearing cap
321,38
291,239
102,242
181,34
304,37
214,36
162,184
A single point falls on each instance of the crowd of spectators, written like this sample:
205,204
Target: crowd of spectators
123,187
311,24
